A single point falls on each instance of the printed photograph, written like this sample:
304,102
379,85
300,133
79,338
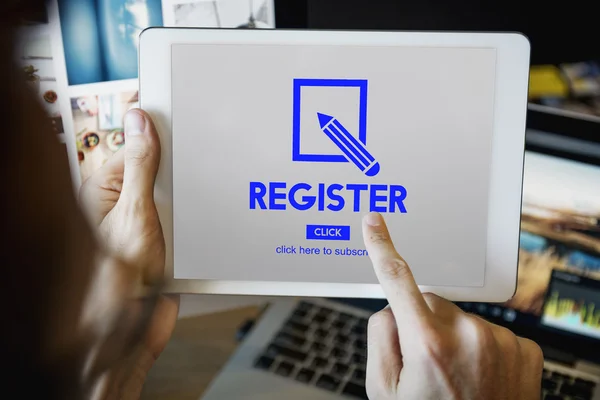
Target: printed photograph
224,14
100,37
98,124
560,227
37,63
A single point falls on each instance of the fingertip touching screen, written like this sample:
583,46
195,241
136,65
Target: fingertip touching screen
279,151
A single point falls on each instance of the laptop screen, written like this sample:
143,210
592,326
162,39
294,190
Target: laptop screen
559,260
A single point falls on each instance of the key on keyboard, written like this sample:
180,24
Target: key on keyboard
354,390
339,369
275,349
328,382
549,384
264,362
305,375
284,368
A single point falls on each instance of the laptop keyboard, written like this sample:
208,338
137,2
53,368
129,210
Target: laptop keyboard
563,386
321,347
325,348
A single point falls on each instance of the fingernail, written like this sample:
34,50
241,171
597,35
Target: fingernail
373,219
135,123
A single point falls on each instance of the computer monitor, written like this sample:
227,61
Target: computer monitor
558,293
560,223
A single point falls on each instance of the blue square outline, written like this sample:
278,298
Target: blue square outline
362,84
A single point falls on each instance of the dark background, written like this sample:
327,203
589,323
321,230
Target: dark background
558,32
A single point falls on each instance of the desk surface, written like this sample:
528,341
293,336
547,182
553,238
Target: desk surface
198,349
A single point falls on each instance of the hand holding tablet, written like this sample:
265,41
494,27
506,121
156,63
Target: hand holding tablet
267,167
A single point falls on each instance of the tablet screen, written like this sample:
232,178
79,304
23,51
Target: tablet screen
278,152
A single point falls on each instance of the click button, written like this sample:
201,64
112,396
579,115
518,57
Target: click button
327,232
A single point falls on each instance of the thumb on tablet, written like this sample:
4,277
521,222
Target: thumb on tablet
142,155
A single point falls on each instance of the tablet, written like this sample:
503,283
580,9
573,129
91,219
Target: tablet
276,143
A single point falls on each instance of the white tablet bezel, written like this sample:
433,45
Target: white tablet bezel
512,75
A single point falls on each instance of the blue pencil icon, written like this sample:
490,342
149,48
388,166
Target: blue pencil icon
354,150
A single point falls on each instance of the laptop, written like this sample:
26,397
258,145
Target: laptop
316,348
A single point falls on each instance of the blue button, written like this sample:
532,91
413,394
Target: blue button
327,232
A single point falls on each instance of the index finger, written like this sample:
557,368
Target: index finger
393,273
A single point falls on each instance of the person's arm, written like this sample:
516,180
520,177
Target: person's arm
424,347
46,248
74,310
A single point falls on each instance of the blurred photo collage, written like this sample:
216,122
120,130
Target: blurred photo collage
35,57
80,58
